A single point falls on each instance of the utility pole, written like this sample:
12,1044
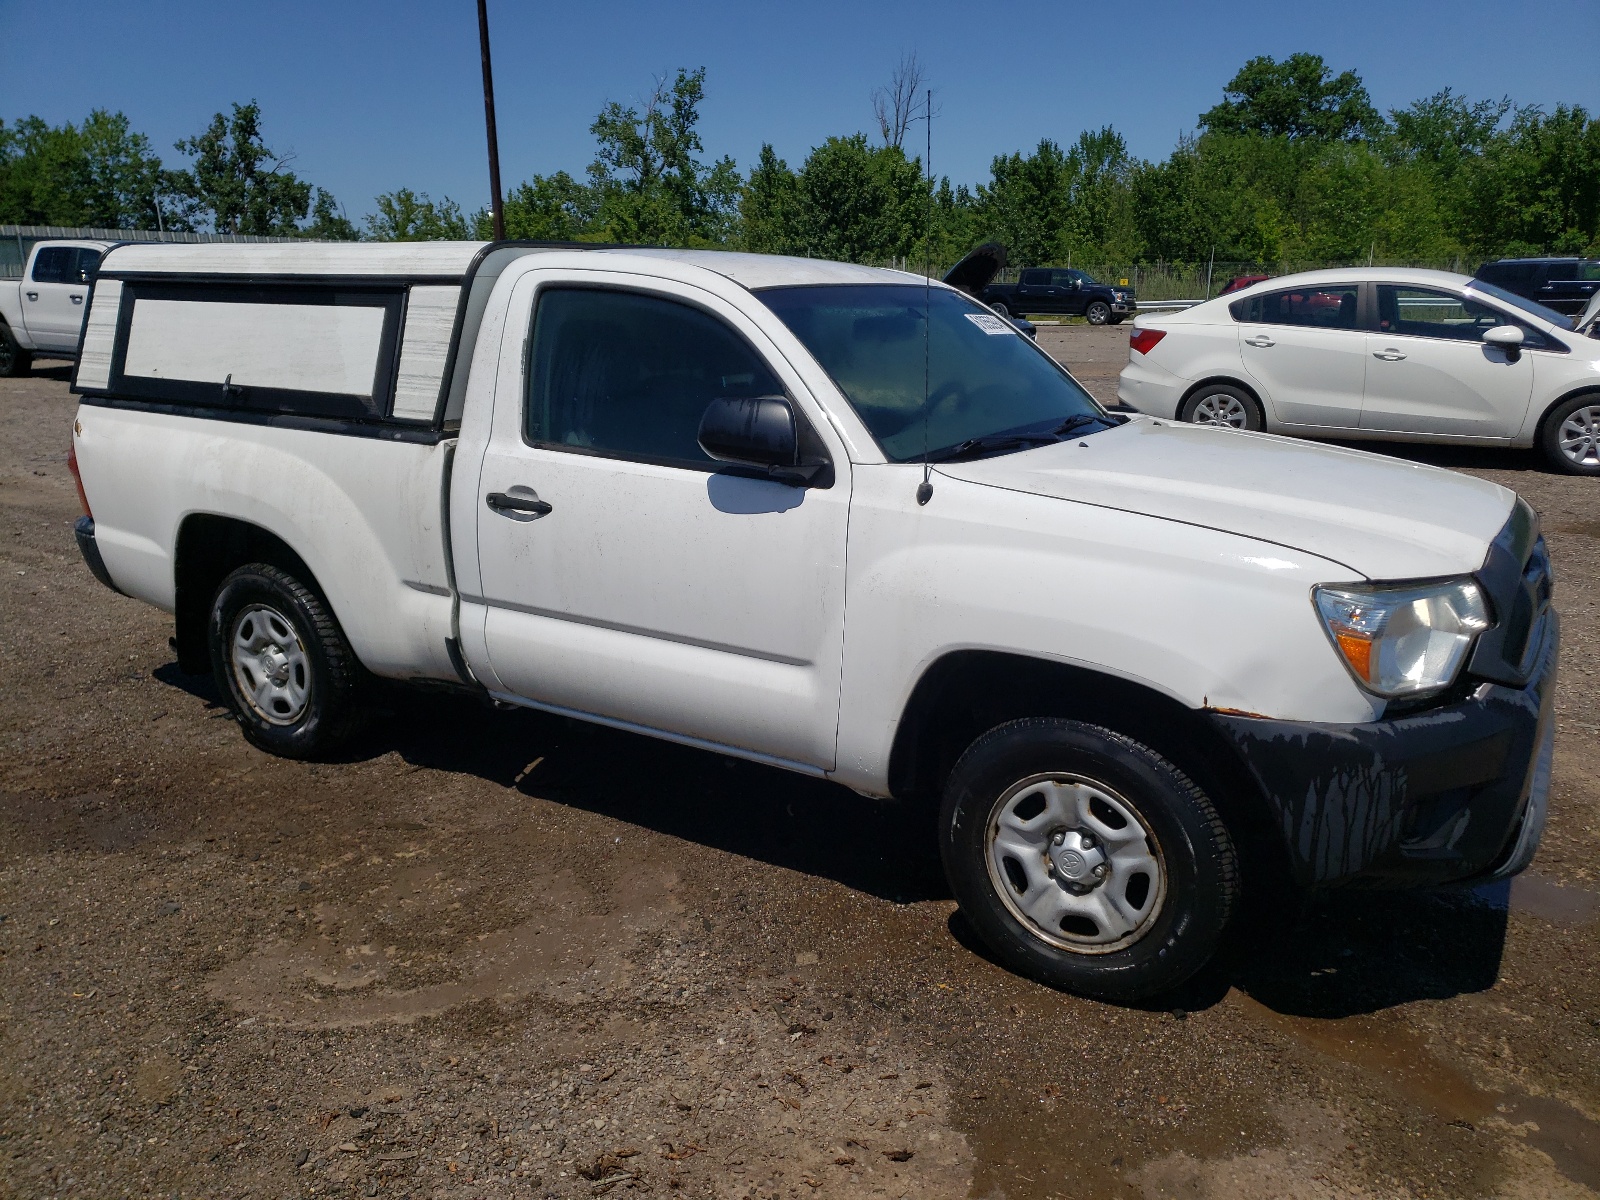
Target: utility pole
497,206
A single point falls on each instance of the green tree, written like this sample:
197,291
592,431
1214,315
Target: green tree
1024,205
651,185
236,184
859,203
407,216
1298,98
99,174
1536,187
547,208
770,206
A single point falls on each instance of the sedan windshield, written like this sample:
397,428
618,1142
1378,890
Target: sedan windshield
1531,307
929,371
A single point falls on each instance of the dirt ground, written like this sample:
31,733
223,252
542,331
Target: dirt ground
502,954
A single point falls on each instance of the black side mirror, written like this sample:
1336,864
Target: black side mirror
760,433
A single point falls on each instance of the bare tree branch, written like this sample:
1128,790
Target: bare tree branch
897,105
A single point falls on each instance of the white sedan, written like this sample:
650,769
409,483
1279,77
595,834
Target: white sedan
1377,352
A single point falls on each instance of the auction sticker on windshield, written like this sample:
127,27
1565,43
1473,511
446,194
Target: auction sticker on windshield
990,325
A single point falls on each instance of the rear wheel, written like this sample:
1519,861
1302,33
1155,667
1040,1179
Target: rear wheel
283,663
1570,437
14,360
1224,406
1085,860
1098,312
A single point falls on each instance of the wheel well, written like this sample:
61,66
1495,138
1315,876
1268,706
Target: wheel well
968,692
209,548
1226,381
1544,417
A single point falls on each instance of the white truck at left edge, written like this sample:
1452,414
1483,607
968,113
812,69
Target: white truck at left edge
41,314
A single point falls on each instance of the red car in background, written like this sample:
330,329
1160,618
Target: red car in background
1242,281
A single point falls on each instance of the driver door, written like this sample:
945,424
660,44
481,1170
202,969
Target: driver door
1429,370
656,590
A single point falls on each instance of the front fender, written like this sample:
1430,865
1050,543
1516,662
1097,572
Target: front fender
1211,619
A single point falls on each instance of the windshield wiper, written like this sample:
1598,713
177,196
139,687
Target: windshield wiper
990,444
1078,420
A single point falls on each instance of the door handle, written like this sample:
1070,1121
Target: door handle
33,295
1388,355
76,298
503,503
1261,340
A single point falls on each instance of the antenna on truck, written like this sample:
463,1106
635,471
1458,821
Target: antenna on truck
925,488
497,208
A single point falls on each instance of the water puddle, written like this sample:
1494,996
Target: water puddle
1557,903
1384,1046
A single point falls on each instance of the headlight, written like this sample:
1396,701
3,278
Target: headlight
1403,641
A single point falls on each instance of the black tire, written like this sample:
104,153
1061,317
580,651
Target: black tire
318,705
1223,397
1195,863
1000,309
14,360
1583,436
1098,312
1118,320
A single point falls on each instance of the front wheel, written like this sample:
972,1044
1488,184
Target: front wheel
1570,437
1098,312
1223,406
1085,860
283,663
1001,310
14,360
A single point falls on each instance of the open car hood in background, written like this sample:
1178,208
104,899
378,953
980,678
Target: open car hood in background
1586,319
977,270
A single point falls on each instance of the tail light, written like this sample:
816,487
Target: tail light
77,479
1144,340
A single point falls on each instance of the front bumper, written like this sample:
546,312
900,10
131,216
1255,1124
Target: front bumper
1456,794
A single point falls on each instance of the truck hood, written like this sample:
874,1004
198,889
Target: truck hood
977,270
1381,517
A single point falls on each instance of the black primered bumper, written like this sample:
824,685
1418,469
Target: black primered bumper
1454,794
84,531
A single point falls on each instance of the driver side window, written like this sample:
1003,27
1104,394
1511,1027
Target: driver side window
1430,313
625,375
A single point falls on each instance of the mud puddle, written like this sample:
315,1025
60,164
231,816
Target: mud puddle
1559,904
1384,1047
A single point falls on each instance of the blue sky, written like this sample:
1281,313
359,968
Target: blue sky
371,97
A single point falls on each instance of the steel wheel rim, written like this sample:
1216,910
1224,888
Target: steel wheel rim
1046,880
1579,436
1221,410
270,664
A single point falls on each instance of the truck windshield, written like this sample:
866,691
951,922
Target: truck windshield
979,378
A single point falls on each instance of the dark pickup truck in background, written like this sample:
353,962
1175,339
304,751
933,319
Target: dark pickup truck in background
1564,284
1062,290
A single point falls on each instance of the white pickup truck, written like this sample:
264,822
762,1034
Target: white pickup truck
41,315
843,521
